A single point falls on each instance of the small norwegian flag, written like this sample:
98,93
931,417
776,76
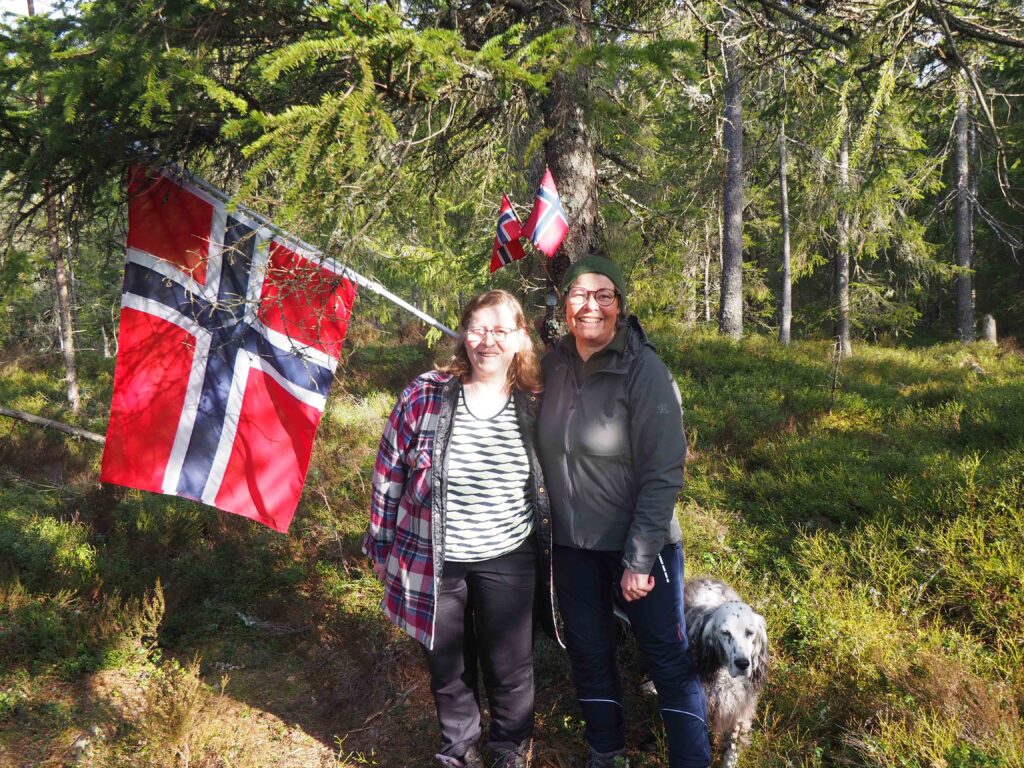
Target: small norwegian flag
547,224
229,339
507,247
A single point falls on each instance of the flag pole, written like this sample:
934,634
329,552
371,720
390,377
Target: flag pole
341,269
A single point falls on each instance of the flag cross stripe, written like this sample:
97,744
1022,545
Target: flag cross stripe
230,341
504,238
504,220
506,247
552,211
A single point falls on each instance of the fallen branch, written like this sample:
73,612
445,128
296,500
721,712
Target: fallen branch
51,424
271,627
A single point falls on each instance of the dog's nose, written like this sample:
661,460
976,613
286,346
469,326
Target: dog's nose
742,664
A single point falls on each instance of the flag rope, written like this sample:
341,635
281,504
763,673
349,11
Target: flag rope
343,271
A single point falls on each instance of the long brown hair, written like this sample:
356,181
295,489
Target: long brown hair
524,372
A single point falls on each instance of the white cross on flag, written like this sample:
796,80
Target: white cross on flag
547,225
230,334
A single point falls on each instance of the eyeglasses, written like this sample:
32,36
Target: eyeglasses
478,333
605,297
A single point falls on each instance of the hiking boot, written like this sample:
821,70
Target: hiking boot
615,759
514,758
471,759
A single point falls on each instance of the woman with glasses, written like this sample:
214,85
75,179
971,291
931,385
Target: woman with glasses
612,447
459,523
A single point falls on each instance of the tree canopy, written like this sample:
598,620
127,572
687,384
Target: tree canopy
387,133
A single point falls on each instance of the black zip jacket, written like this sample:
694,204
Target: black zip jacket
612,447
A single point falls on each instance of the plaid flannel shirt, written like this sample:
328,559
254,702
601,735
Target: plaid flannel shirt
406,520
399,537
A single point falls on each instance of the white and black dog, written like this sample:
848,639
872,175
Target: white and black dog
729,642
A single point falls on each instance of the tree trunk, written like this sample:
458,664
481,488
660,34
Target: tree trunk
569,149
707,273
60,278
60,284
842,258
786,313
730,313
964,220
569,152
689,291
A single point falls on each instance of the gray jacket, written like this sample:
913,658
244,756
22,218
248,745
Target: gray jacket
612,448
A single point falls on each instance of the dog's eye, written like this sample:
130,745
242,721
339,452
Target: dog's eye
750,633
726,633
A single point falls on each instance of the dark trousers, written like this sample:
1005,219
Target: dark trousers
485,614
585,582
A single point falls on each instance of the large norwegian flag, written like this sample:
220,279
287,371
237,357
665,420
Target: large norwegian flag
507,247
547,224
229,339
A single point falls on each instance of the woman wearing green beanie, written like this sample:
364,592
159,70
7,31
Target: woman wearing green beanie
612,447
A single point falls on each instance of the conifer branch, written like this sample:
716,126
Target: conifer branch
790,13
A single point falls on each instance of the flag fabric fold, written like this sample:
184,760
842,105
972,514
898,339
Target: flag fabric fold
547,224
507,247
229,337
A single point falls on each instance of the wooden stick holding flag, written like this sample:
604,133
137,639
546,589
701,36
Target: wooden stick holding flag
355,277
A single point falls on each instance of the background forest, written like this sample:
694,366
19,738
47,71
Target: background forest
818,206
387,134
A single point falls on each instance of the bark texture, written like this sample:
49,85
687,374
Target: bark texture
786,311
706,287
63,293
730,313
842,258
65,325
964,220
569,149
689,290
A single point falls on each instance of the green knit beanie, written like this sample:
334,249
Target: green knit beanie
598,264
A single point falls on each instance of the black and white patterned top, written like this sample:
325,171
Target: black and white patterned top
488,509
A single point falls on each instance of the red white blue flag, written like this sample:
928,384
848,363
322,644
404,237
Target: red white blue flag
507,247
229,338
547,224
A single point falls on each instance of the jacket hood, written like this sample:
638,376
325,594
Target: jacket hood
638,335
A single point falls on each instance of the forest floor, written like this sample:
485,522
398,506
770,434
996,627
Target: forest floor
879,529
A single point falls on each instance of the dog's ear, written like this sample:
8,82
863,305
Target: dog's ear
759,662
695,621
708,651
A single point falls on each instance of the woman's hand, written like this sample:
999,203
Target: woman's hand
635,585
378,570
